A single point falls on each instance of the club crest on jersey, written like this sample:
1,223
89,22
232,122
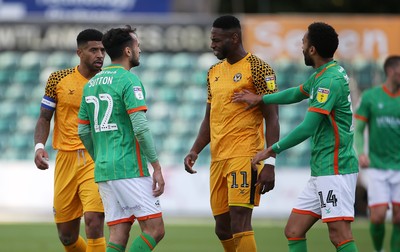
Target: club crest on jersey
270,80
237,77
322,95
138,93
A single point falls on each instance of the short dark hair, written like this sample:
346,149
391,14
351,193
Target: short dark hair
324,38
88,35
116,39
391,61
227,22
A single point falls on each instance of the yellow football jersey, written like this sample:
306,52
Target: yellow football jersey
63,94
235,131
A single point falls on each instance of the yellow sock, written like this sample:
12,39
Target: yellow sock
96,245
229,245
78,246
245,242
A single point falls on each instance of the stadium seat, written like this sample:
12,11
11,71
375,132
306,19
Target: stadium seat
6,77
157,61
175,78
9,60
27,77
182,60
60,60
206,60
32,60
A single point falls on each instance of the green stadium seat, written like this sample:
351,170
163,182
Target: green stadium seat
27,77
182,60
157,61
9,60
60,60
16,91
32,60
175,77
206,60
199,78
6,77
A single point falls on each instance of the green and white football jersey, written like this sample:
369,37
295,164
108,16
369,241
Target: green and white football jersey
108,99
332,149
380,109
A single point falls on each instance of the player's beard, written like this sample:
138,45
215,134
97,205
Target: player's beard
134,61
308,60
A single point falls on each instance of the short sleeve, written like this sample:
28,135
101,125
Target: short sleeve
134,95
324,95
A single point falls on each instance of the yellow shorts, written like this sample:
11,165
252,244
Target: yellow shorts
232,184
75,191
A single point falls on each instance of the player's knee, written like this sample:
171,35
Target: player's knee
377,218
94,225
67,239
292,232
159,235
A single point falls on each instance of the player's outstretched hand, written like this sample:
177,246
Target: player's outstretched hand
363,159
189,161
158,183
248,97
266,178
42,159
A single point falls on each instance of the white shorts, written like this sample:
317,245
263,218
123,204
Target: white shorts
330,198
383,186
125,200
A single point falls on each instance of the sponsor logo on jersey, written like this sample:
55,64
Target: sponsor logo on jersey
270,80
237,77
138,93
322,95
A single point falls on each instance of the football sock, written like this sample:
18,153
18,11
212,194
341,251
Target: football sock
298,245
245,242
395,240
143,243
113,247
96,245
347,246
229,245
78,246
377,232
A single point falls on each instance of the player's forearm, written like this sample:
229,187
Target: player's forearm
203,137
143,135
359,136
288,96
303,131
85,135
42,131
272,127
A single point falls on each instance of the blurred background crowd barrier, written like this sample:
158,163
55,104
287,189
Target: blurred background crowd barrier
39,37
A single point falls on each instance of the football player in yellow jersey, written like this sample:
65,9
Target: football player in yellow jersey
75,192
235,136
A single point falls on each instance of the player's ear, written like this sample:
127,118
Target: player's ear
128,51
78,52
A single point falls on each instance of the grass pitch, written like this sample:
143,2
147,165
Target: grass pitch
186,235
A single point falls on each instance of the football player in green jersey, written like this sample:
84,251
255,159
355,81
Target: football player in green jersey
114,129
330,192
379,110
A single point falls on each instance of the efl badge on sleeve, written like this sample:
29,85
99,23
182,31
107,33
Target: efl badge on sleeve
138,93
270,80
322,95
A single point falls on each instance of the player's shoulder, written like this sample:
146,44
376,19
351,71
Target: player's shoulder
217,65
59,74
372,91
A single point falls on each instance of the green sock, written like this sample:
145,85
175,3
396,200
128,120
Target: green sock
348,247
298,245
377,232
395,240
143,243
112,247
